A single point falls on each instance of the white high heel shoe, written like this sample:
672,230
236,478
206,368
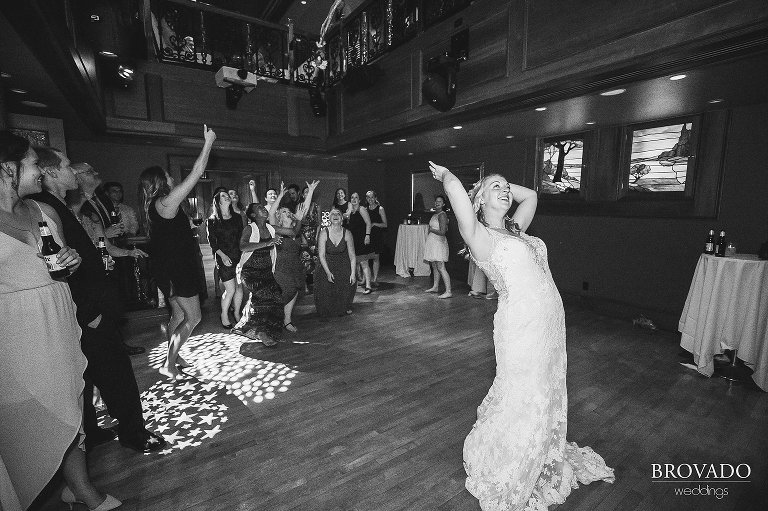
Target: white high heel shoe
69,498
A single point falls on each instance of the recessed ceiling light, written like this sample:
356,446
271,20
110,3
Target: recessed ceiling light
3,74
363,148
677,77
457,127
334,156
452,147
303,2
541,109
379,159
105,53
34,104
590,122
285,152
716,100
402,140
19,91
410,154
510,136
388,143
614,92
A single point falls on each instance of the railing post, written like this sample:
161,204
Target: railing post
291,45
388,28
249,63
203,42
363,38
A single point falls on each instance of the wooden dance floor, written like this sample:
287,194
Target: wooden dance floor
370,411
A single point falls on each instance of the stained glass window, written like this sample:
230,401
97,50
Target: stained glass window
562,160
660,158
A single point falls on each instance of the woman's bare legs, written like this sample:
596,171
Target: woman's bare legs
188,308
446,279
435,278
237,300
376,266
75,473
288,312
226,300
366,270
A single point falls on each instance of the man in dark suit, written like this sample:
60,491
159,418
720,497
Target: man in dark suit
109,367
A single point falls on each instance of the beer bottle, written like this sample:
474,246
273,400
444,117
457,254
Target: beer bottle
114,217
104,254
709,247
720,246
49,250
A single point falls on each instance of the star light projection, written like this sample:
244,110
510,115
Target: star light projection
187,412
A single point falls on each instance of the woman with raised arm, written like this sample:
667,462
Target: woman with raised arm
174,251
263,317
516,456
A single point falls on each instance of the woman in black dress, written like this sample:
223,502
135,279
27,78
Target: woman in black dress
174,251
360,226
225,226
378,227
342,204
335,275
309,229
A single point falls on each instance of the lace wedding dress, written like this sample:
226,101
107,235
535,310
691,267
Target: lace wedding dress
516,456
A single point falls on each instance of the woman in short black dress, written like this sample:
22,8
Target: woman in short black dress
360,226
378,228
225,226
174,251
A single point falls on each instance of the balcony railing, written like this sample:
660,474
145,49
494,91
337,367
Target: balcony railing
200,35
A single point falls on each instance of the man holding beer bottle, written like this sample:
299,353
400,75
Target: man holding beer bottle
109,367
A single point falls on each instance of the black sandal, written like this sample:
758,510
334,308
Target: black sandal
293,328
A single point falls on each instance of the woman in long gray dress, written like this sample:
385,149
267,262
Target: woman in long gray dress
335,276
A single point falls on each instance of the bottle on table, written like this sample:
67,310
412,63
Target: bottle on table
104,254
114,217
50,250
709,246
720,246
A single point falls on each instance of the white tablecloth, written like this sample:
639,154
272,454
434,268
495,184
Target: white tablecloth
727,307
409,251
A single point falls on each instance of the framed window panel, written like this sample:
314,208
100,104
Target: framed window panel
560,165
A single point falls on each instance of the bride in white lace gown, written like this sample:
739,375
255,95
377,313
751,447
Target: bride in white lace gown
516,456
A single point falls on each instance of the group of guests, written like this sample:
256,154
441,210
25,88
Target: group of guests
283,248
64,336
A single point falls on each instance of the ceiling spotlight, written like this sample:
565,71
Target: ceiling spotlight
590,122
510,136
108,54
452,147
457,127
34,104
303,2
19,91
379,159
402,140
716,100
614,92
363,148
388,143
410,154
125,72
677,77
541,109
3,74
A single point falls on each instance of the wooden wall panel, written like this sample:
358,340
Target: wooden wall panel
390,95
129,103
558,28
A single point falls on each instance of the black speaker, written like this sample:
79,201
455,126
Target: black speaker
317,102
439,87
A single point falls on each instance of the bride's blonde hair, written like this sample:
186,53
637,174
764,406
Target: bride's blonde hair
476,193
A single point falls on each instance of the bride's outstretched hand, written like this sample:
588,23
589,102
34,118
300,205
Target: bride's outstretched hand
438,171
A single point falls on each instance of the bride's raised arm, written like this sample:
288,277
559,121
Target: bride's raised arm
473,232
